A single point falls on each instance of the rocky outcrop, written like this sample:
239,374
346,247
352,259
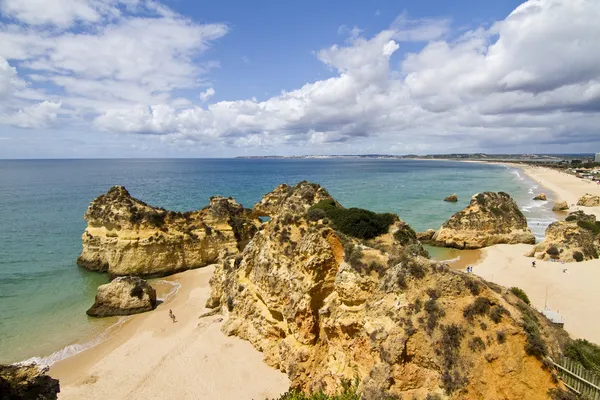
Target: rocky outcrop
490,218
27,382
125,295
285,199
426,236
325,307
126,236
560,206
541,196
453,198
574,239
588,200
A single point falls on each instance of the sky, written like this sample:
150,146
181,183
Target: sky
196,78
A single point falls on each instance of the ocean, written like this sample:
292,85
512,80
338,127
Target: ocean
44,295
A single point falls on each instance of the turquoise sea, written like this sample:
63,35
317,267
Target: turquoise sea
44,295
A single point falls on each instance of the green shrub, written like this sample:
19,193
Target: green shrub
349,392
480,306
356,222
593,227
520,293
476,344
315,214
405,235
434,313
585,353
501,337
535,345
473,286
497,312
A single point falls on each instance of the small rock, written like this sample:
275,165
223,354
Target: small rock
453,198
123,296
588,200
541,196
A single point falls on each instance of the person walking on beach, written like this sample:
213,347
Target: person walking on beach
533,264
172,316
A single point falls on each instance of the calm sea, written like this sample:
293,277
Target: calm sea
44,295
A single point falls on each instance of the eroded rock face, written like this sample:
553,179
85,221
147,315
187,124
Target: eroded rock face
27,382
287,199
574,239
125,295
490,218
541,196
560,206
325,307
426,236
588,200
453,198
126,236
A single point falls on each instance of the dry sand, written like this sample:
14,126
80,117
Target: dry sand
153,358
574,294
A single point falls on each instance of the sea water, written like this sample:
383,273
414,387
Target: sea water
44,295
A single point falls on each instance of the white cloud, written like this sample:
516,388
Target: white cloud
40,115
533,77
8,79
207,94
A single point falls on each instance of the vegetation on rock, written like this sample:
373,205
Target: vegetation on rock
520,293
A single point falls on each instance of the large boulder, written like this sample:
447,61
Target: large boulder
541,196
490,218
453,198
27,382
123,296
126,236
326,307
574,239
588,200
560,206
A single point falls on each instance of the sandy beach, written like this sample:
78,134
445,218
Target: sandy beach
153,358
574,293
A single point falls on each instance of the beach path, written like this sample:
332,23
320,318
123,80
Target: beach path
152,357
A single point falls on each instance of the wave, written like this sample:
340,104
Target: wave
73,349
172,292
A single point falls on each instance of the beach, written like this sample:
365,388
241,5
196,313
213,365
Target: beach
574,294
151,357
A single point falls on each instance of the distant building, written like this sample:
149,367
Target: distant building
597,158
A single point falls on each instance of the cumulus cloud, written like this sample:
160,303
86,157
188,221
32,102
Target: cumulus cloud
207,94
40,115
531,78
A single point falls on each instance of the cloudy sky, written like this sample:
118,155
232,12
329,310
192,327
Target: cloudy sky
184,78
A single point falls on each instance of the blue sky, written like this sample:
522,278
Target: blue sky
178,78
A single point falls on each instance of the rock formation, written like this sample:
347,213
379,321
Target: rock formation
541,196
126,236
123,296
27,382
426,236
325,307
285,199
574,239
588,200
453,198
490,218
560,206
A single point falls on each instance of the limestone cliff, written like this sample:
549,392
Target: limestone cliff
27,382
325,307
588,200
574,239
126,236
489,219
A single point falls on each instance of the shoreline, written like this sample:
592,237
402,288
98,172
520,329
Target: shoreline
122,367
573,293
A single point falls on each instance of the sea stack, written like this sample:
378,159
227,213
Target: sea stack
490,218
453,198
541,196
126,236
560,206
315,300
123,296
